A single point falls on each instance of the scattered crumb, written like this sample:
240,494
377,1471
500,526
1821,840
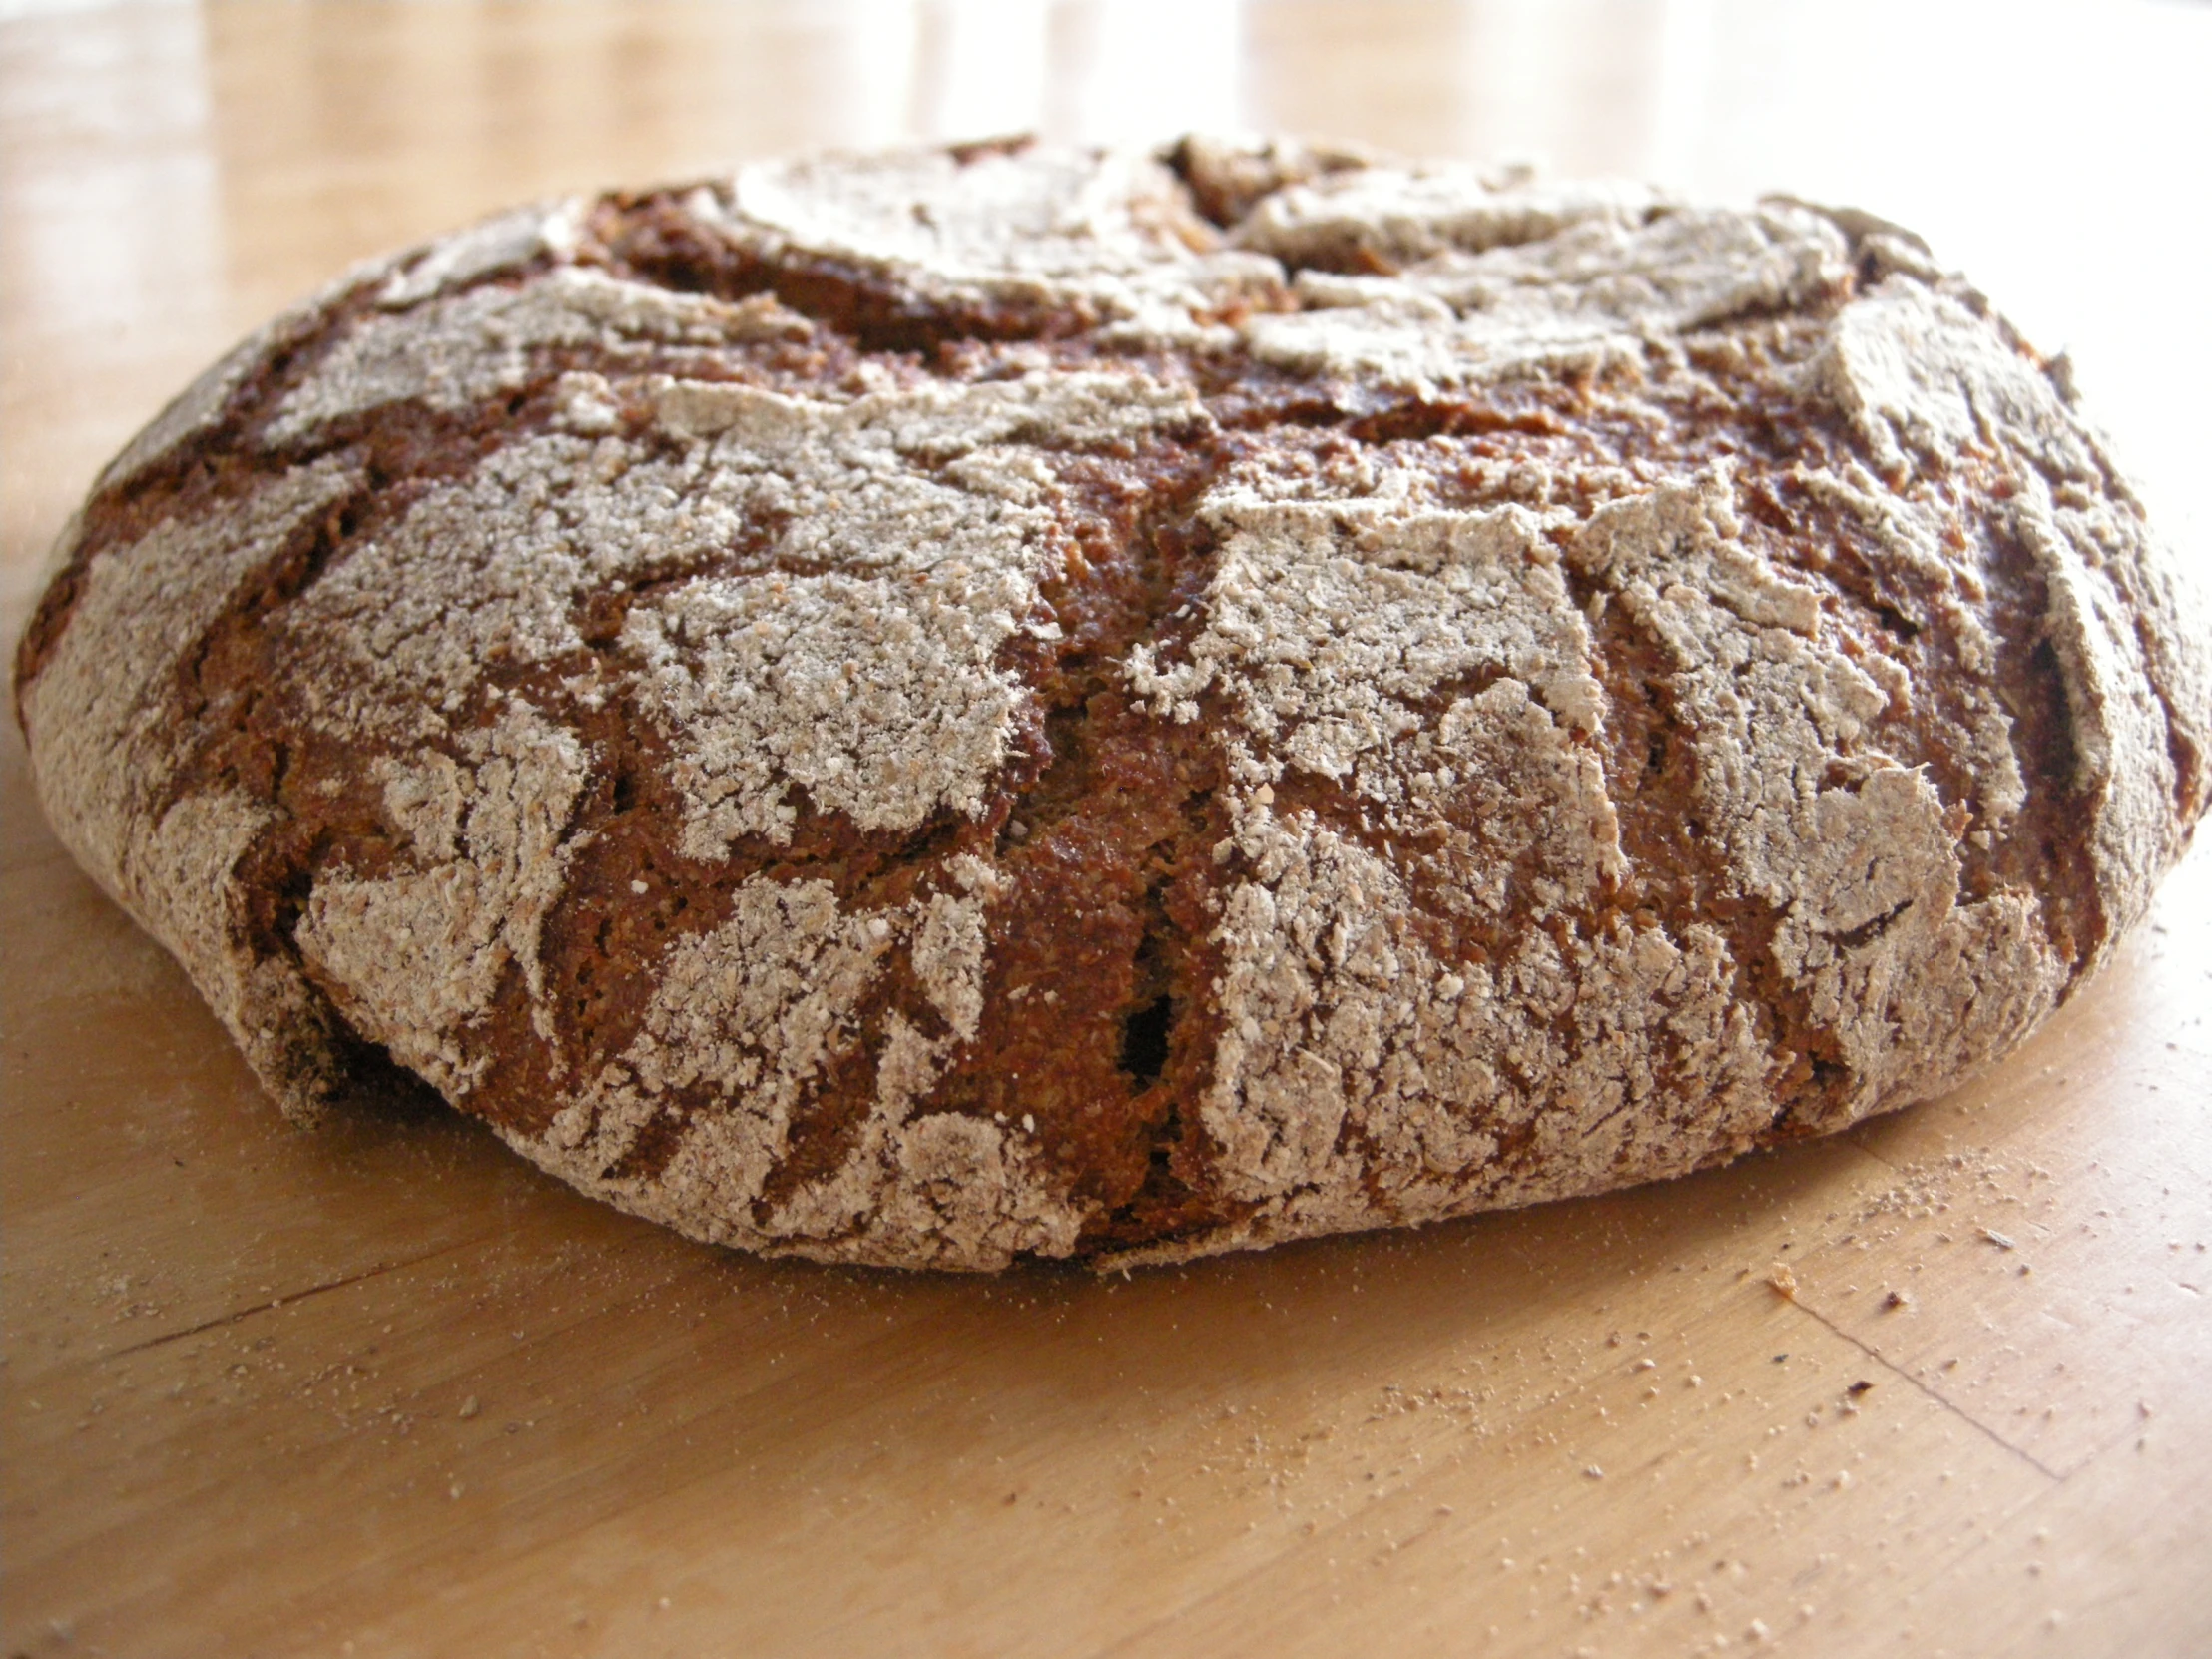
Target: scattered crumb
469,1409
1783,1280
1897,1298
1999,1239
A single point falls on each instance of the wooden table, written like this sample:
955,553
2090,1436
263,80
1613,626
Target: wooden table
386,1391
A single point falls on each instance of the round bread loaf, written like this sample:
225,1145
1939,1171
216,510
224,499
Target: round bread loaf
946,706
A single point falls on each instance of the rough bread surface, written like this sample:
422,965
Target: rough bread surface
941,707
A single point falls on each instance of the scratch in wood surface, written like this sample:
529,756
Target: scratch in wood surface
1895,1371
277,1302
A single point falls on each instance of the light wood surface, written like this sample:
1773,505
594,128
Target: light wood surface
384,1391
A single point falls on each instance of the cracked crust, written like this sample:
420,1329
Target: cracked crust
949,706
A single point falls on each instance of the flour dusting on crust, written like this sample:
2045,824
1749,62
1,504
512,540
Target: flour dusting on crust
959,704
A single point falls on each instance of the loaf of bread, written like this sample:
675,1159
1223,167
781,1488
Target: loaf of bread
956,705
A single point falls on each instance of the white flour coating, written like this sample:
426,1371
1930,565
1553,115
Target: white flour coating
853,656
502,242
493,568
1438,986
105,744
1360,1076
1331,995
747,1016
459,350
2123,762
1392,217
1329,979
1864,872
410,959
912,530
1110,234
967,1190
744,1014
1333,618
103,696
1909,531
1595,293
1914,371
1329,625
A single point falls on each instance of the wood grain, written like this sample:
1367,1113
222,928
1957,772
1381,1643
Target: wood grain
382,1390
